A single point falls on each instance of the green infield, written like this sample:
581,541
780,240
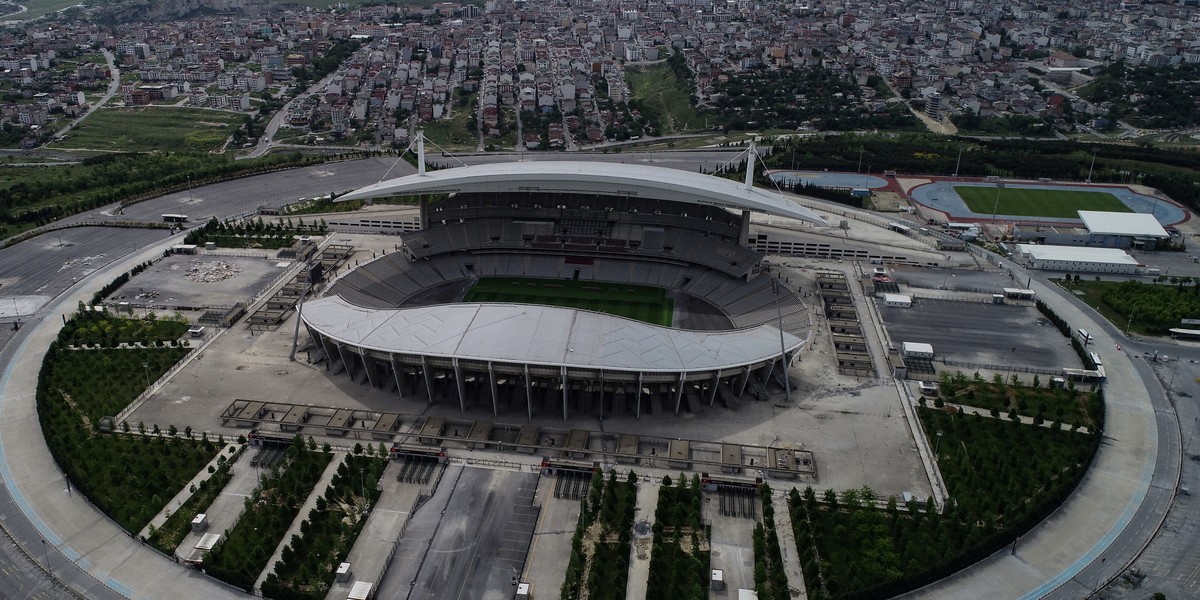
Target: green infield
643,303
1025,202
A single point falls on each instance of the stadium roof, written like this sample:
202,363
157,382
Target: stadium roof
541,335
1119,223
614,179
1081,254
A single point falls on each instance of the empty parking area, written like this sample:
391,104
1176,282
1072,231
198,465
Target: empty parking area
199,280
480,544
994,334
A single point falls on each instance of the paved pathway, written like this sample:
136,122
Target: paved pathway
546,568
639,565
787,543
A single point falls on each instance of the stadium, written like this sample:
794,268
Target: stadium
559,288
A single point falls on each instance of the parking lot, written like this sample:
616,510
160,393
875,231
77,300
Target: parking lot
477,546
995,334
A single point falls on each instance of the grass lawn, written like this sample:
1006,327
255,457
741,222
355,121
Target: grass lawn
1037,203
643,303
148,129
661,96
452,133
1155,306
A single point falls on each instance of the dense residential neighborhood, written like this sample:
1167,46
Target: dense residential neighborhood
511,74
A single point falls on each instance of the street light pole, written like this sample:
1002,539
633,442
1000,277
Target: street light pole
936,444
1091,168
146,370
46,557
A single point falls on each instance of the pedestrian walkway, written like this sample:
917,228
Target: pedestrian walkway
787,543
302,515
643,523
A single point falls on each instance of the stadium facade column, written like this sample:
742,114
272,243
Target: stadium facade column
566,386
398,375
528,394
744,380
744,234
458,384
428,378
679,389
368,366
345,363
492,383
601,394
712,388
638,397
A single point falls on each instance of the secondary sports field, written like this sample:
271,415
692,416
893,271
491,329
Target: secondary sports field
648,304
1027,202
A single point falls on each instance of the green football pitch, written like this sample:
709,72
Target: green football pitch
1024,202
644,303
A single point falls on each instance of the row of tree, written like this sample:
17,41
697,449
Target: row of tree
601,571
679,558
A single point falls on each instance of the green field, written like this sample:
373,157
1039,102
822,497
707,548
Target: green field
38,8
662,98
1024,202
643,303
147,129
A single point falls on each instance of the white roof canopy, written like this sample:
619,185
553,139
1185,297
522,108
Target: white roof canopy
542,335
613,179
1119,223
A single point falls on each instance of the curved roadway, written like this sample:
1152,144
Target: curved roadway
1113,516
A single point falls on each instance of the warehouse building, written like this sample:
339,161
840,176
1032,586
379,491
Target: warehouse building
1078,259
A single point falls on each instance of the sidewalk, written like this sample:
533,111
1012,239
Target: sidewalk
546,568
787,544
639,558
227,508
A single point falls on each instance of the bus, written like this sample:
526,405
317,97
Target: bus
174,218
